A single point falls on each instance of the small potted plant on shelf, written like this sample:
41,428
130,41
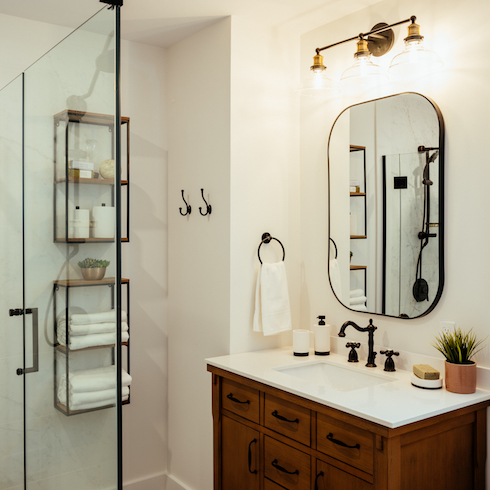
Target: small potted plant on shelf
458,348
93,269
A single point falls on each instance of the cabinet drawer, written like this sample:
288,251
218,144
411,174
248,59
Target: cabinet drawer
329,477
287,419
240,399
345,442
285,465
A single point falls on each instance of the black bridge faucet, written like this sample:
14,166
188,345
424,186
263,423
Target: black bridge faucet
370,329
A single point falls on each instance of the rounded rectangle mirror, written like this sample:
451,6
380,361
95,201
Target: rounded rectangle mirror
386,206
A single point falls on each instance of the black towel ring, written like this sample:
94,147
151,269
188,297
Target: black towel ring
336,253
266,238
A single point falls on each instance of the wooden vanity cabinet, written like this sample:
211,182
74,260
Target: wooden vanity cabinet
268,439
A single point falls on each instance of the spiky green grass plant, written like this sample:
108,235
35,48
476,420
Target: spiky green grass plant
458,347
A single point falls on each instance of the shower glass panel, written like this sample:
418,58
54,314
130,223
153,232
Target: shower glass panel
57,119
409,208
11,357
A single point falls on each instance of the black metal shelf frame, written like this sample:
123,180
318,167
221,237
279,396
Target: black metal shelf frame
66,351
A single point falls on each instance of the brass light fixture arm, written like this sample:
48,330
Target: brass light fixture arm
366,34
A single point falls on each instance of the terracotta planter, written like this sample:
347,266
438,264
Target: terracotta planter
461,378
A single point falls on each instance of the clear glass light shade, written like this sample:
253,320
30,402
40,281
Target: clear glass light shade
363,74
318,85
415,60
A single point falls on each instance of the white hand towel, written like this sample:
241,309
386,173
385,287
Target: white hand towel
272,311
358,307
358,301
94,379
100,317
77,399
93,340
335,278
90,328
355,293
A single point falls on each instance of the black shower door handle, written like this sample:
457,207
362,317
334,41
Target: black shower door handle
35,343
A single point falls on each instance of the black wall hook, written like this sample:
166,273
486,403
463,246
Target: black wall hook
187,206
208,206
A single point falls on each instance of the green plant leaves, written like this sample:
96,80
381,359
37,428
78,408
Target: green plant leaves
458,347
93,263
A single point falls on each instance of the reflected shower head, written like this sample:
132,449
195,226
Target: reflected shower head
433,157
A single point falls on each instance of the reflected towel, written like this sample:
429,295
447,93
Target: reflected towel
100,317
99,398
90,328
272,311
335,281
358,307
94,379
358,301
355,293
94,340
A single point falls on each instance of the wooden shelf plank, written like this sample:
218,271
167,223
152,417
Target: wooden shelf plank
85,240
73,180
106,281
354,237
358,267
357,193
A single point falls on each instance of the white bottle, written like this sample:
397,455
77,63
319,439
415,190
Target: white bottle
322,337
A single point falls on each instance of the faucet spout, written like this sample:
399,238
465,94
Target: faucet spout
370,330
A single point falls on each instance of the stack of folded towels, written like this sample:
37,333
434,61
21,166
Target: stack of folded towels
92,329
357,300
93,388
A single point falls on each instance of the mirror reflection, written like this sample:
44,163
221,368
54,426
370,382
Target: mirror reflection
385,163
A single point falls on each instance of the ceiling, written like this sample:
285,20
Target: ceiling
163,22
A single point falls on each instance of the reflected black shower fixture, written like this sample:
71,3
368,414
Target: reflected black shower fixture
420,288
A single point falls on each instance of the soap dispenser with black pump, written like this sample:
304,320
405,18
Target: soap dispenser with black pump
322,337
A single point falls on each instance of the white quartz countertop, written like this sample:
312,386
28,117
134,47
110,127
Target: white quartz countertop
393,402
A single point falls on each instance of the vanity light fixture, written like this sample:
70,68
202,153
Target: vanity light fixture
364,73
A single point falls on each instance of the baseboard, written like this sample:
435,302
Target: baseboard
174,484
153,482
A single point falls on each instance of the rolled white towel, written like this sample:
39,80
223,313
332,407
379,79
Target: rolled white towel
358,301
93,340
90,328
102,397
358,307
94,379
100,317
355,293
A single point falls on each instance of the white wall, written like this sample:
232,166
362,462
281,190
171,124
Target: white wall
460,91
198,81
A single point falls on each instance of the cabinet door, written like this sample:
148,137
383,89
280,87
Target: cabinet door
240,456
331,478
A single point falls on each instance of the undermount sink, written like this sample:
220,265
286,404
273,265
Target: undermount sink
334,376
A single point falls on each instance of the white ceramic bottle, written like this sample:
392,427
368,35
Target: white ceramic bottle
322,337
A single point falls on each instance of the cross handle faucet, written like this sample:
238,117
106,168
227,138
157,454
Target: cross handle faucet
370,330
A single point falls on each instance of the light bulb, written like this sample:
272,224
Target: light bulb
415,59
317,84
363,73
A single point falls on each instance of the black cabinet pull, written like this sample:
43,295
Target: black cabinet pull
316,479
254,472
284,470
340,443
280,417
230,396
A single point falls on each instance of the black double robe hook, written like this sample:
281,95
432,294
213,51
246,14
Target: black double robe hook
208,206
187,206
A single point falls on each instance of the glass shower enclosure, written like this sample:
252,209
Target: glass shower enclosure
61,404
